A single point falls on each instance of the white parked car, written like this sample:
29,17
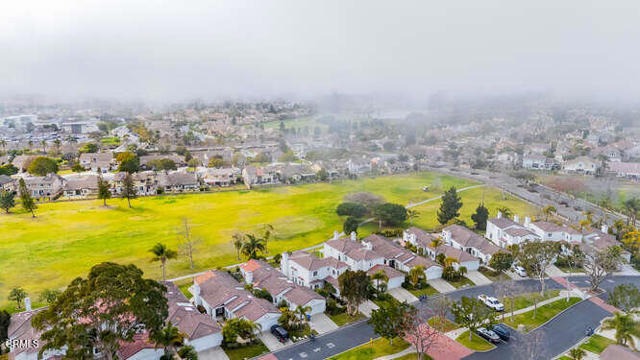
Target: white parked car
519,270
491,302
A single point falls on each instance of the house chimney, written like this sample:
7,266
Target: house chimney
335,235
248,277
27,304
527,221
499,216
605,228
353,236
516,218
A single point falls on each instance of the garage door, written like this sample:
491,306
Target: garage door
434,272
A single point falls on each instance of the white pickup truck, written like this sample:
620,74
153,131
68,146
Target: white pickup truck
491,302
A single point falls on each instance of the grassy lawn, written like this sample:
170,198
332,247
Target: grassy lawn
184,288
413,356
442,326
247,352
67,238
344,318
429,291
372,350
544,313
597,343
477,343
493,275
462,282
526,300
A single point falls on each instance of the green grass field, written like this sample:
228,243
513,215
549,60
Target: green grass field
476,344
543,314
596,344
67,238
375,349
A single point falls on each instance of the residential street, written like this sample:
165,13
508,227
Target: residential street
561,333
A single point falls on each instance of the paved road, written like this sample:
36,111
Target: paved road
541,196
561,333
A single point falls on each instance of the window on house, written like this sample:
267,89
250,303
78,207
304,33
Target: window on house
315,273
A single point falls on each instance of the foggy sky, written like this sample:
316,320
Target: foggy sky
168,50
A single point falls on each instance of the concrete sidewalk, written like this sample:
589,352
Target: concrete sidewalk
367,307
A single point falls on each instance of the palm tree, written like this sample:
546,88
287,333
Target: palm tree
506,212
577,354
412,214
44,145
548,211
237,241
301,312
169,338
631,207
626,328
379,277
436,242
415,274
56,144
162,253
3,143
448,261
267,234
252,246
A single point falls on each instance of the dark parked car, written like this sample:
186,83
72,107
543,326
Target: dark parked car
280,333
488,335
502,331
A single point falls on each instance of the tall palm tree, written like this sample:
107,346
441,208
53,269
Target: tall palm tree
436,242
632,207
169,338
626,328
302,312
506,212
577,354
237,240
415,274
3,143
252,246
162,253
268,232
44,145
412,214
548,211
379,277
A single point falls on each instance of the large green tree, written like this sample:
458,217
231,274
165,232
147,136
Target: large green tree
104,191
501,261
7,200
17,295
450,206
354,288
389,321
42,166
110,306
390,214
129,190
28,204
480,217
350,225
5,321
625,297
351,209
536,257
129,162
601,263
472,313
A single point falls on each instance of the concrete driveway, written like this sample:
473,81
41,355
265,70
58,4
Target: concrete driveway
627,269
402,295
477,278
213,354
322,323
553,271
367,307
441,285
271,342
